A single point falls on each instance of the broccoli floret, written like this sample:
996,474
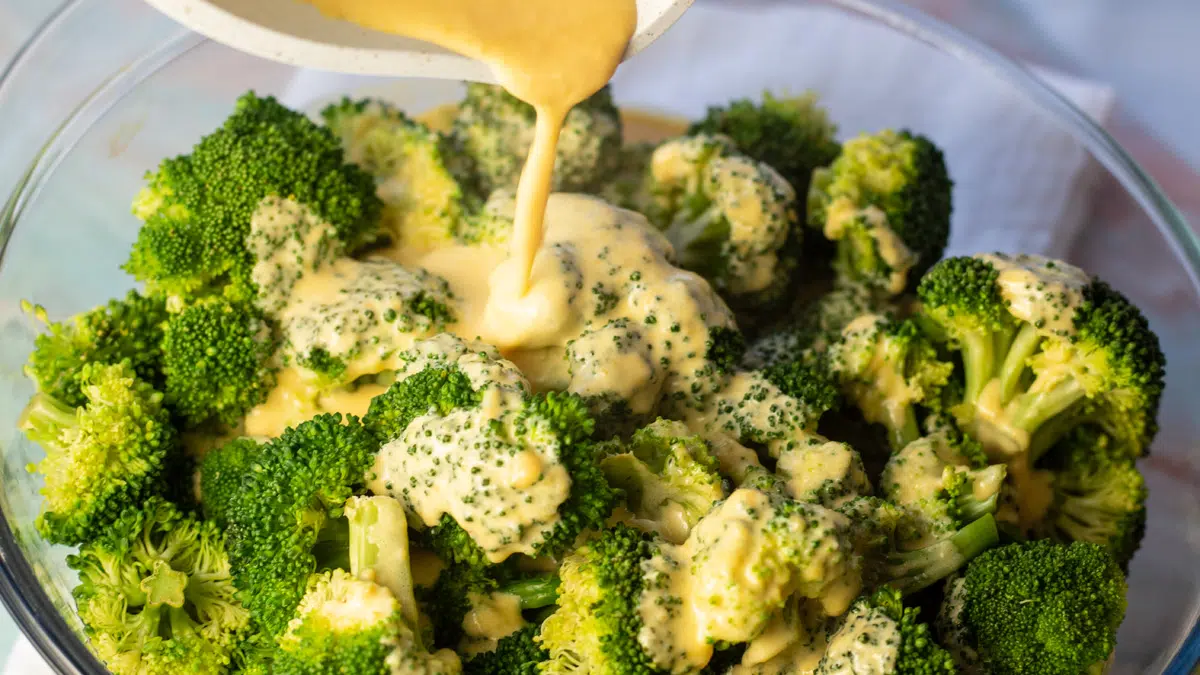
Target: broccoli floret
1037,608
537,448
516,654
424,206
1044,349
912,569
888,369
155,594
290,524
730,218
793,135
820,471
375,309
216,361
885,201
224,472
938,489
495,129
669,476
629,187
1099,495
128,328
353,626
904,644
460,587
101,458
199,209
596,626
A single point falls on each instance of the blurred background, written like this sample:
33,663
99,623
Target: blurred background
1147,52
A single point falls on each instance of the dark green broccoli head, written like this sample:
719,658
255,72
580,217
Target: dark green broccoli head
198,207
725,348
216,361
292,524
495,129
101,458
1044,349
1099,495
128,328
595,628
811,382
155,594
1042,608
793,134
438,389
886,202
516,654
224,473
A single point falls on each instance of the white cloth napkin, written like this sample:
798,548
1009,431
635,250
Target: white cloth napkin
1021,183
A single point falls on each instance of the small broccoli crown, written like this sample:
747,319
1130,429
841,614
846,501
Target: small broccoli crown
155,594
917,652
515,654
439,389
886,201
128,328
342,625
729,218
198,207
293,525
100,458
224,473
215,359
811,382
725,348
669,477
889,370
398,151
495,129
595,628
591,499
792,134
1099,495
1044,608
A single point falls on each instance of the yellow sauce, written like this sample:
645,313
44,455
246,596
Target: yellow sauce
491,618
1040,291
548,53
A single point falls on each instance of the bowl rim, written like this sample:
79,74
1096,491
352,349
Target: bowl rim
37,616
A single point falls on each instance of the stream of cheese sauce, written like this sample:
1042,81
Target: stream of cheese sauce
548,53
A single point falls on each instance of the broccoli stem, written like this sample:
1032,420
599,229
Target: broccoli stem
913,570
978,351
536,592
971,509
1040,404
1023,347
902,426
44,418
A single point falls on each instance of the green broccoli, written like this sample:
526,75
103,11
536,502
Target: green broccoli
888,369
155,594
939,488
669,477
224,472
1044,349
495,129
912,569
424,207
1099,495
375,309
516,654
792,135
216,361
730,218
290,522
1037,608
101,458
205,227
128,328
597,624
905,645
533,448
354,626
460,587
885,202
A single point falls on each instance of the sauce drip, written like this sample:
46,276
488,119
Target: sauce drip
548,53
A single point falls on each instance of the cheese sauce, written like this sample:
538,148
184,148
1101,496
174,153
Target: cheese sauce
1040,291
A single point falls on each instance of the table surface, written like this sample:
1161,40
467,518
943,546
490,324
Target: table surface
1146,50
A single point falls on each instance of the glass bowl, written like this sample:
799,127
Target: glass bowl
108,87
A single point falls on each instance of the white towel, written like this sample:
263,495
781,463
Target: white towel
1022,184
